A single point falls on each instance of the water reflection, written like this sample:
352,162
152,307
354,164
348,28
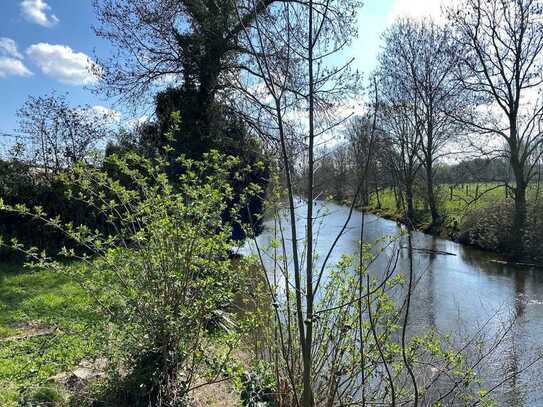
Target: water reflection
458,289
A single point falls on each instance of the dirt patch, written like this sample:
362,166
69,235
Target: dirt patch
30,329
215,395
77,380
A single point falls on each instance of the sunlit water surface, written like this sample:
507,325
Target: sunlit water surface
456,293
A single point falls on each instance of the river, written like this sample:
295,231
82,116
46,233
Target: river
456,293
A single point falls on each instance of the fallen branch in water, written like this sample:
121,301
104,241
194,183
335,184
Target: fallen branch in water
430,251
512,263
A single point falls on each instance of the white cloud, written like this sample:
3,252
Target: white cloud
10,59
13,67
135,122
62,63
36,11
8,48
419,9
103,111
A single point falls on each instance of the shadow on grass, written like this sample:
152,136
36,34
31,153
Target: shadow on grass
47,297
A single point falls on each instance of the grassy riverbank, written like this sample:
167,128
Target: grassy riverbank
454,201
475,214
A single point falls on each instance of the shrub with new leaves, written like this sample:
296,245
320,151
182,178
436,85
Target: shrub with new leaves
164,278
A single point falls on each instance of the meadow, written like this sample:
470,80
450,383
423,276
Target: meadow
47,327
455,201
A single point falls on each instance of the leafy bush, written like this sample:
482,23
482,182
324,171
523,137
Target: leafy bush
165,278
178,130
21,184
258,386
491,228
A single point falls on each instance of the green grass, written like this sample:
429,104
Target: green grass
464,197
41,299
468,196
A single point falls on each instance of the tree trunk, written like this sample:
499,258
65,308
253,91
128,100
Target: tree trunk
308,398
409,198
519,219
364,193
431,196
397,197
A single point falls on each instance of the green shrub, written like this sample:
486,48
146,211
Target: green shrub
22,184
490,228
258,386
165,278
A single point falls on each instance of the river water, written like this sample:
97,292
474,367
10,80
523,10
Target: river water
456,293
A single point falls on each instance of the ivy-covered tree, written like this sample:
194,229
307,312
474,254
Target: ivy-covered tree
170,136
193,43
195,47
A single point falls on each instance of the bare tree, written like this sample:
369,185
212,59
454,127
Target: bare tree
402,128
301,91
501,44
363,141
188,55
60,135
333,171
421,56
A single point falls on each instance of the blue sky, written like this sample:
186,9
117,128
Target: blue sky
51,49
44,45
